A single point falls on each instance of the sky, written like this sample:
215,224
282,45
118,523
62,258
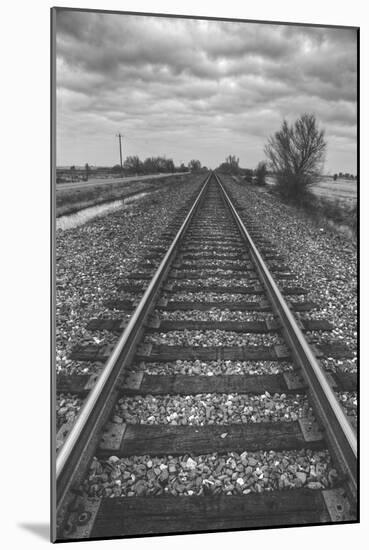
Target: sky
198,89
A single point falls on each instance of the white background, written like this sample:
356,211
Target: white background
25,290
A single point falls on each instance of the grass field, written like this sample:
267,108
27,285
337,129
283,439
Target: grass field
334,202
342,190
71,201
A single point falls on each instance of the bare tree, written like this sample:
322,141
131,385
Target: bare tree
233,161
230,166
133,165
194,165
260,173
296,154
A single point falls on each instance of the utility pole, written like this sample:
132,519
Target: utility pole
120,150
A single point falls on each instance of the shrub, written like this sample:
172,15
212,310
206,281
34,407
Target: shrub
260,173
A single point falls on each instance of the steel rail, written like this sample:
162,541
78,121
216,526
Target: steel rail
339,432
98,405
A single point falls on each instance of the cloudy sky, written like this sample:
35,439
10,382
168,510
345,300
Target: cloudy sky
198,89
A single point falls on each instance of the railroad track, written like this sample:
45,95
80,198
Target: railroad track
212,411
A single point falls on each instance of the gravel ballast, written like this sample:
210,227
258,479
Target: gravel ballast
215,315
201,409
348,401
67,408
93,259
212,297
324,262
215,281
213,368
200,263
211,474
206,338
340,365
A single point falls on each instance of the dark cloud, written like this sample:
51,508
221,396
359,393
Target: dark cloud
187,84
